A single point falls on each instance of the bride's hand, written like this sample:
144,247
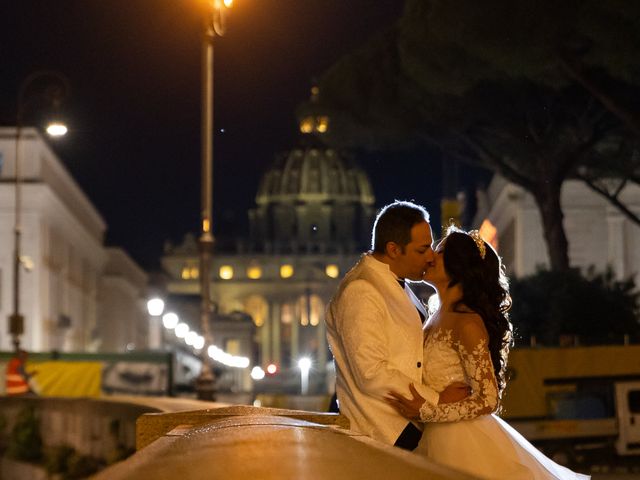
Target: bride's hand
408,407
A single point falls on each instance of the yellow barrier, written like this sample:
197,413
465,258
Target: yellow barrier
67,379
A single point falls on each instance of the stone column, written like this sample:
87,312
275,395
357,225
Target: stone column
295,337
155,332
275,334
265,337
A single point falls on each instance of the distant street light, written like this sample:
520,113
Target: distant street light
57,129
214,25
304,364
191,338
199,343
181,330
257,373
170,320
155,307
53,95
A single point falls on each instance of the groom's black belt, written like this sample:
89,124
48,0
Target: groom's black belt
409,438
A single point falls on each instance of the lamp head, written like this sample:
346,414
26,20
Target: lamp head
56,129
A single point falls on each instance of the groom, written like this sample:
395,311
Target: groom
374,327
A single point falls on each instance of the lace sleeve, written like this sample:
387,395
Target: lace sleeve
472,347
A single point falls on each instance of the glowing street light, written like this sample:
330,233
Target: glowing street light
199,343
227,359
155,307
170,320
304,364
181,330
56,129
191,338
257,373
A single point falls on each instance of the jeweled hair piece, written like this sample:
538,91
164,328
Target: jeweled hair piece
475,234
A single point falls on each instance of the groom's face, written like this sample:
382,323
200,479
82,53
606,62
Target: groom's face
417,255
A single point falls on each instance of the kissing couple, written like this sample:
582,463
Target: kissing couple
430,383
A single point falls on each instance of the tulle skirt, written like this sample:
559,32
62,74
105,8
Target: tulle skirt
489,448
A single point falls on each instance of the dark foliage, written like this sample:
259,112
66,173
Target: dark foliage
56,458
82,466
25,442
540,92
594,307
68,464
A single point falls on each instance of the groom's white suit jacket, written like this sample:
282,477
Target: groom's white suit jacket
376,338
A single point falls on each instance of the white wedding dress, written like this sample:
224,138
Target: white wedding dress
465,435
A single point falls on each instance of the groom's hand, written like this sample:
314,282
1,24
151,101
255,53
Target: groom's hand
407,407
454,393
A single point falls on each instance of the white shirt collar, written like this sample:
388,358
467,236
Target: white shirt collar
381,266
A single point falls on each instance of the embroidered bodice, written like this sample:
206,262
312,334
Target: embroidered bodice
459,356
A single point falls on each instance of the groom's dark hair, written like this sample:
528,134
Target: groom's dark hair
394,223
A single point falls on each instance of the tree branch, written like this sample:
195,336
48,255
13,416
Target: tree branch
572,159
613,199
497,162
574,71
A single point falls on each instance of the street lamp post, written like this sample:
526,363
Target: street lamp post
155,308
214,25
56,128
304,364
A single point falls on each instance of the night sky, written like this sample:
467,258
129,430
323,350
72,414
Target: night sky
134,109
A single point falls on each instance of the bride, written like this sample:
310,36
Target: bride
467,340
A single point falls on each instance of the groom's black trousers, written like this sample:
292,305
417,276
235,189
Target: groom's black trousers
409,438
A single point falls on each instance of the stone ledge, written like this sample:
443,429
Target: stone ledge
152,426
16,470
249,444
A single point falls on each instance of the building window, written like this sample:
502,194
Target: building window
226,272
322,124
232,346
303,308
332,271
306,125
254,272
286,271
315,312
310,308
286,316
189,272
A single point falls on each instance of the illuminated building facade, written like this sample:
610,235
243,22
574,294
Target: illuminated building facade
312,219
76,295
599,234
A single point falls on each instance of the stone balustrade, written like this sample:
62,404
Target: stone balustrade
92,426
188,439
242,442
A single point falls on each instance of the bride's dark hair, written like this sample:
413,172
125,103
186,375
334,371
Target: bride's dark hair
485,290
